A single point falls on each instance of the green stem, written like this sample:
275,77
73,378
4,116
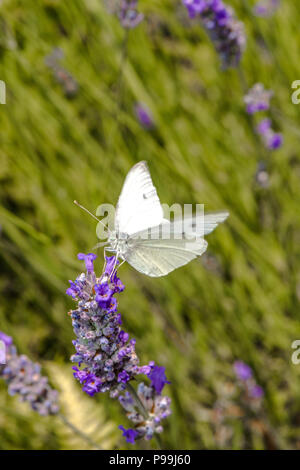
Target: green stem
137,401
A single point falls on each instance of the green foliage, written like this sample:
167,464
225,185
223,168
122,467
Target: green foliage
54,149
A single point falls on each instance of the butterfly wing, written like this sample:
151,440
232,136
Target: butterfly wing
189,225
213,219
138,206
159,257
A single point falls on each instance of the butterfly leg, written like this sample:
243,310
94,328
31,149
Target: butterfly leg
114,270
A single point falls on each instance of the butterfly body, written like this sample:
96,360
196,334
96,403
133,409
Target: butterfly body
118,242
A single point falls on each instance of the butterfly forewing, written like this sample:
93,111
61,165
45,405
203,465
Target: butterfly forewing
138,206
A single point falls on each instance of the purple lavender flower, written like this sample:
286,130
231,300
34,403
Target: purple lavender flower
266,8
129,434
245,375
271,139
24,377
7,340
255,391
128,15
144,116
61,75
158,378
262,176
156,408
242,370
88,259
258,99
225,31
106,358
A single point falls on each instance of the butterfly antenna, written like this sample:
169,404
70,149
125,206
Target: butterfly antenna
94,217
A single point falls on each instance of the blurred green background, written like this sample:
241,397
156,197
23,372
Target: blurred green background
241,301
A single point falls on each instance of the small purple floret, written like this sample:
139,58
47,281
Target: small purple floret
158,378
242,370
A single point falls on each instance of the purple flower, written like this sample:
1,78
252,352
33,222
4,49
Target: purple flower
129,434
144,116
74,291
225,31
275,141
256,391
257,99
262,175
271,139
123,377
264,126
7,340
242,370
158,378
24,378
89,260
61,75
266,8
128,15
106,358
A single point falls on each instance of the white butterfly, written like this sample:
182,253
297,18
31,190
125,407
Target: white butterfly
137,211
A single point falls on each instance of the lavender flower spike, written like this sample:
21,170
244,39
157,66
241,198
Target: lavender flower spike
242,370
156,407
23,377
225,31
144,116
271,139
245,375
258,99
266,8
106,358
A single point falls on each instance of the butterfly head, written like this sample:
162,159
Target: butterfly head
118,241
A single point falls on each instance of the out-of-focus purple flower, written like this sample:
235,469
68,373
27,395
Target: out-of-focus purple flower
242,370
61,75
105,356
266,8
264,126
256,391
88,259
275,141
225,31
158,378
258,99
271,139
128,15
24,378
7,340
129,434
144,116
